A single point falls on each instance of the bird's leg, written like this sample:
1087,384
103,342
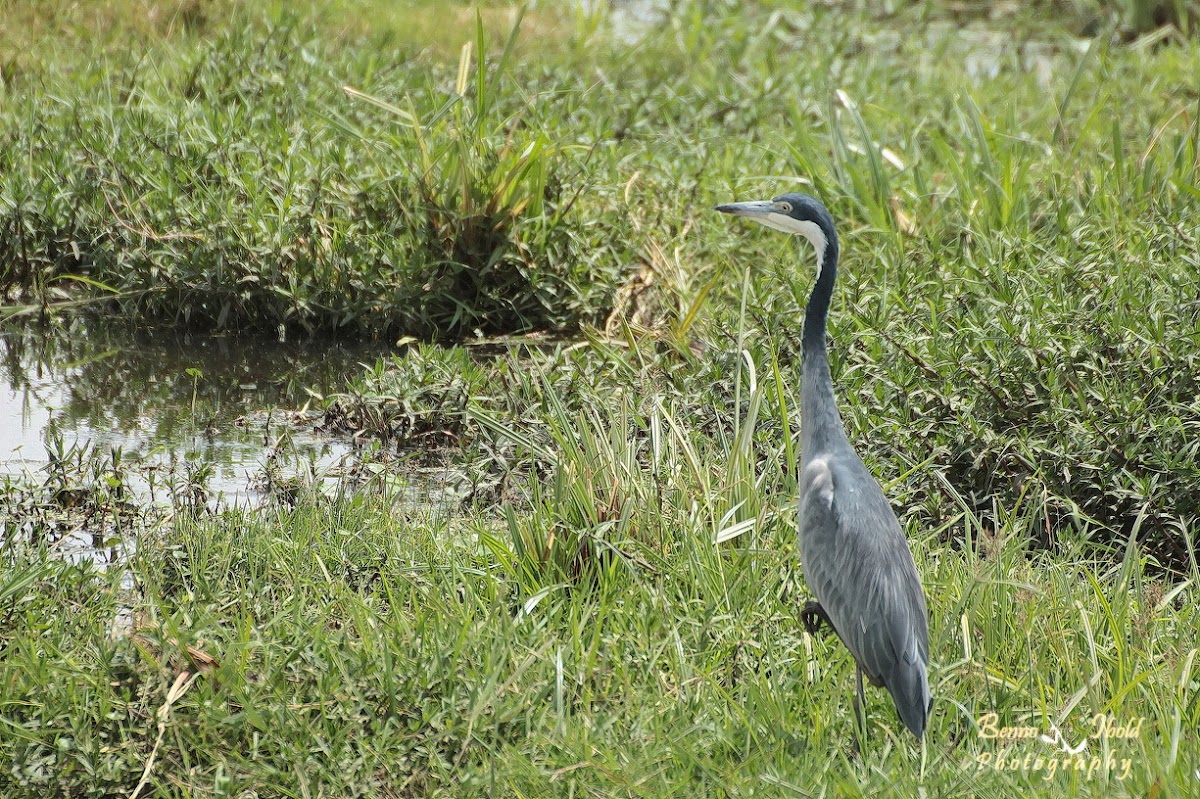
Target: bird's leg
812,616
860,713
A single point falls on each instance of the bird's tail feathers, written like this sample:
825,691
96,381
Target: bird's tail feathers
909,688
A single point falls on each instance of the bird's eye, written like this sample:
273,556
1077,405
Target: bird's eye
786,207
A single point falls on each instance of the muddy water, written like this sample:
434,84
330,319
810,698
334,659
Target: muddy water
221,412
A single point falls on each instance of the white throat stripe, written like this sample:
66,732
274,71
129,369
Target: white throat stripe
809,230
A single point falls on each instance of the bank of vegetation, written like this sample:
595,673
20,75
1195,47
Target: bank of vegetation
612,607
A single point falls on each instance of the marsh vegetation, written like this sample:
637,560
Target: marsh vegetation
605,599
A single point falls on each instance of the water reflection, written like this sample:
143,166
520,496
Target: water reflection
233,407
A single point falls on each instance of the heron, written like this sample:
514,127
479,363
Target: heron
853,553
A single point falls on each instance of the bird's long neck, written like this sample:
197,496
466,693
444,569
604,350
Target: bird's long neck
819,415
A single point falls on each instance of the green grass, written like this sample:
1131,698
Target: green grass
613,610
229,181
583,629
255,179
364,652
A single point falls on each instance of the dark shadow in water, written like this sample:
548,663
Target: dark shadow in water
160,396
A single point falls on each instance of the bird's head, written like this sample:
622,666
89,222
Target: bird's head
797,214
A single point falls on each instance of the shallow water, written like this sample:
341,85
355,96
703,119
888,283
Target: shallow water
217,409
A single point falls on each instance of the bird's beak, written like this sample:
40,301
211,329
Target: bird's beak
757,209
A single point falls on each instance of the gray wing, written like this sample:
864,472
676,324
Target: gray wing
858,564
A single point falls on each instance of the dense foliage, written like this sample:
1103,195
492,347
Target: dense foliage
1014,342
